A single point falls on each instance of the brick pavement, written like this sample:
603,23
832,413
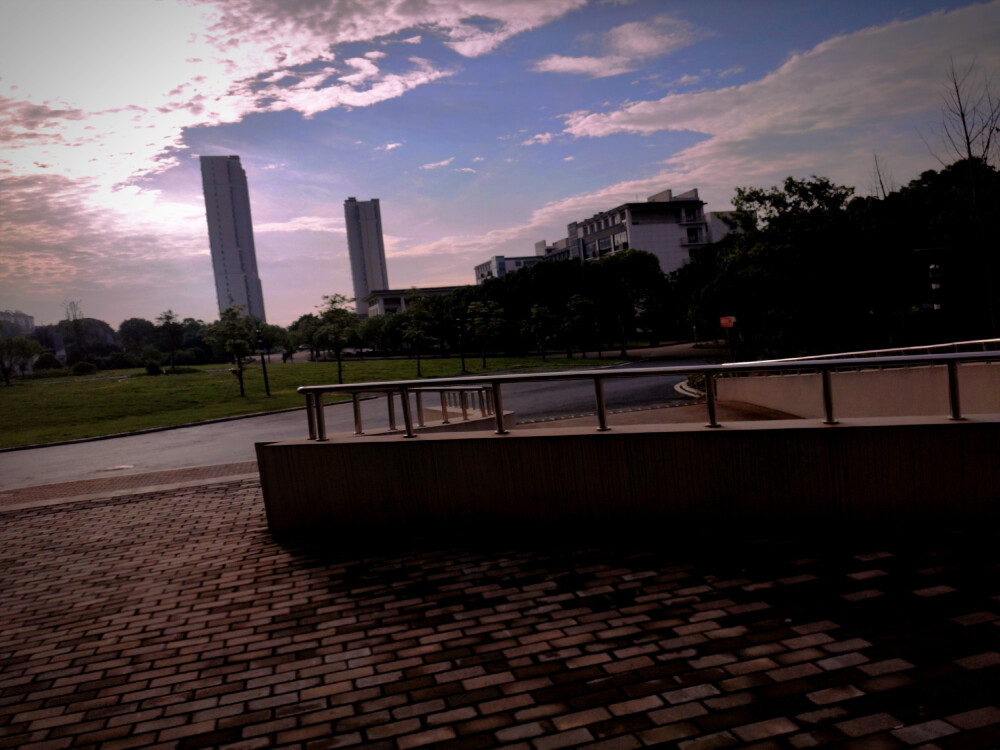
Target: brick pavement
172,618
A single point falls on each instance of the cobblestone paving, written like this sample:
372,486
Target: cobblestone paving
173,619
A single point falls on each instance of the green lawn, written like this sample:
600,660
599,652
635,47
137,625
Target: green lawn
34,412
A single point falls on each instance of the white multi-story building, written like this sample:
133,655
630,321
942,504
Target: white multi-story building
500,265
385,301
367,250
668,226
230,235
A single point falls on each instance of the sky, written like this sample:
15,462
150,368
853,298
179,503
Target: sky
483,126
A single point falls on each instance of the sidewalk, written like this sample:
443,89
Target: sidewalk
173,619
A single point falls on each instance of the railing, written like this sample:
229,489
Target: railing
977,345
490,387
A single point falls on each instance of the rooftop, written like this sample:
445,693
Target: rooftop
159,611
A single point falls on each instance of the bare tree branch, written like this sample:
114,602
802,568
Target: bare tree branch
970,114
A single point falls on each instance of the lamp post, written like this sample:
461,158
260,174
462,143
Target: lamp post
263,365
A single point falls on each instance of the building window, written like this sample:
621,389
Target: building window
694,235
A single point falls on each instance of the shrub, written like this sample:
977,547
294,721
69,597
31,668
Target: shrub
151,354
189,357
153,368
84,368
117,361
47,361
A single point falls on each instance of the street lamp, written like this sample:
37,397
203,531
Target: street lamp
263,365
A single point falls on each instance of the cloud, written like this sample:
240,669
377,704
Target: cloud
735,70
685,80
438,164
388,146
466,169
596,67
901,65
302,224
809,116
210,63
627,47
94,105
541,138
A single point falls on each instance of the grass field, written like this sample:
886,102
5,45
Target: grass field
34,412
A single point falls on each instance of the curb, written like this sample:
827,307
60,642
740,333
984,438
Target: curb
149,430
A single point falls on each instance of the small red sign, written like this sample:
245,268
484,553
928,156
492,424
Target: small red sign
727,321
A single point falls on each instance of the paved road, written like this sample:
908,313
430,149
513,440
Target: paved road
531,401
233,441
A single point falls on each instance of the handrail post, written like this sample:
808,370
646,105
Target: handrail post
320,419
464,398
356,404
482,402
444,408
420,409
710,400
498,407
311,415
602,410
953,400
827,396
392,410
404,398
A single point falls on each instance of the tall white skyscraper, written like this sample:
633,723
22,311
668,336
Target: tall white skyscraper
230,235
364,243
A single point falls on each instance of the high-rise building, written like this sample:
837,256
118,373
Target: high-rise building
230,235
364,244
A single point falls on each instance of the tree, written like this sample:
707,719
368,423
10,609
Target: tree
135,333
232,335
484,320
579,323
789,273
371,331
539,326
303,333
970,115
75,324
273,337
337,327
16,352
171,333
633,281
418,321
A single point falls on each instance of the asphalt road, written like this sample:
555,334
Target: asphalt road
233,441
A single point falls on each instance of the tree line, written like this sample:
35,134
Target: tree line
807,268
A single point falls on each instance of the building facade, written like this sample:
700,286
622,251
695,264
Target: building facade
384,301
16,323
500,265
230,235
668,226
363,220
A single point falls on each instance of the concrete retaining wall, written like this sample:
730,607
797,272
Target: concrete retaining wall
888,471
871,393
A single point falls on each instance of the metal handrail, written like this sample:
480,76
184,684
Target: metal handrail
493,384
955,346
